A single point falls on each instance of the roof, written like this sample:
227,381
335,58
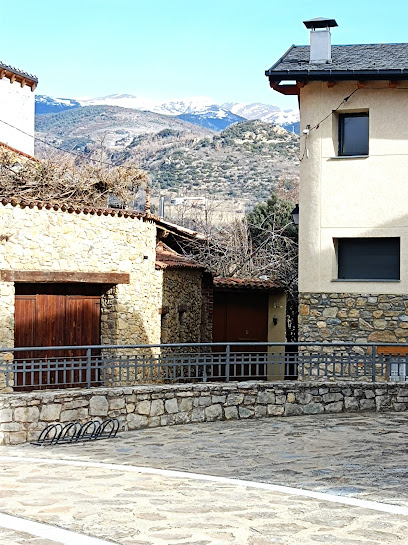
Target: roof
15,74
19,153
360,61
71,208
178,229
167,258
247,283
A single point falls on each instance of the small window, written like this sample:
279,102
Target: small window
368,258
353,134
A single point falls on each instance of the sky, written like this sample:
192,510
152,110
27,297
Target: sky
172,49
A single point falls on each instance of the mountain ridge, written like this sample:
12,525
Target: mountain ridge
244,161
197,110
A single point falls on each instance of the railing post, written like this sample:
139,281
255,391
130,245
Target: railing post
88,366
373,358
227,363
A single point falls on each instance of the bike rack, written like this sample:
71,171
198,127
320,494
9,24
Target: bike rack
75,432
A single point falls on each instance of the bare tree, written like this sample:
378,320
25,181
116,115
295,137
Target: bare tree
60,178
232,250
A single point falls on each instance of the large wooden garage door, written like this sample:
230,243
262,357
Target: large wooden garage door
56,315
241,317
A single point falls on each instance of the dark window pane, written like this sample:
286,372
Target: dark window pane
369,258
353,134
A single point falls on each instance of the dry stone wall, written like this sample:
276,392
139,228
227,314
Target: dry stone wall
350,317
23,416
33,239
181,305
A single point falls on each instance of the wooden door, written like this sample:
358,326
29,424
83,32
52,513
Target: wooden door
55,315
242,317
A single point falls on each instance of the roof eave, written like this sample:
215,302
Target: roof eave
336,75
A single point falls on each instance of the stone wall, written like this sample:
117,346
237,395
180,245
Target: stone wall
181,305
350,317
63,239
23,416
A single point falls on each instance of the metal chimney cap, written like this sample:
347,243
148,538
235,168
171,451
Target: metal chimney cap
320,22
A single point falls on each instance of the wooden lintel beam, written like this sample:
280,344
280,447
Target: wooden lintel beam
284,89
392,84
51,277
330,84
361,84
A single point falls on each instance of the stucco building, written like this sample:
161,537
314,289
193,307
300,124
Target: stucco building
353,231
17,108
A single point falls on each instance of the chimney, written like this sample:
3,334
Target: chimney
320,39
161,208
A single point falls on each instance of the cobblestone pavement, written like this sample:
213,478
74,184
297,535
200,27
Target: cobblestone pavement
351,456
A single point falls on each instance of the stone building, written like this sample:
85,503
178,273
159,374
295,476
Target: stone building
17,108
83,276
187,296
353,232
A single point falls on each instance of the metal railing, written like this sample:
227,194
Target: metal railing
30,368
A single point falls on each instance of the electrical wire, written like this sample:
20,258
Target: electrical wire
317,126
74,153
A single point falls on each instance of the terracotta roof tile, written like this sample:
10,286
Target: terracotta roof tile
71,208
18,152
167,258
249,283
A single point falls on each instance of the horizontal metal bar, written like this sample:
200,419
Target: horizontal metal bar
182,345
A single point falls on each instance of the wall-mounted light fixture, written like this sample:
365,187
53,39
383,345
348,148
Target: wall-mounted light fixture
275,320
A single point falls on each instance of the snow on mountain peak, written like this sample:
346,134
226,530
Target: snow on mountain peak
198,106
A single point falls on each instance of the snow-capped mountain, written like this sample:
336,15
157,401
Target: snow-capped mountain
47,105
213,117
199,110
263,112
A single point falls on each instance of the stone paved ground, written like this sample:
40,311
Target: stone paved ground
361,456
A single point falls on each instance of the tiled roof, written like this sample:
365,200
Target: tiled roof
167,258
178,229
72,208
250,283
360,60
18,72
18,152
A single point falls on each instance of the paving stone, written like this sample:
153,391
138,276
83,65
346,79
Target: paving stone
340,454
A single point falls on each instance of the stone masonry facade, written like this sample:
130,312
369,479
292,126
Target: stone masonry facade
181,306
24,415
33,239
45,238
349,317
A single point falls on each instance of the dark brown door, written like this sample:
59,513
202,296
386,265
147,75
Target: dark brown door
55,315
242,317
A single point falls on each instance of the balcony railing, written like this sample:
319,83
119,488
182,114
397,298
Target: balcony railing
31,368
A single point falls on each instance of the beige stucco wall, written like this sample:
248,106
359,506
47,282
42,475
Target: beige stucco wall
17,109
351,197
276,332
49,240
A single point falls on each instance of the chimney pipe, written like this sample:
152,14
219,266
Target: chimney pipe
161,208
320,39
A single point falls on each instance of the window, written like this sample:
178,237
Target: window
368,258
353,134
